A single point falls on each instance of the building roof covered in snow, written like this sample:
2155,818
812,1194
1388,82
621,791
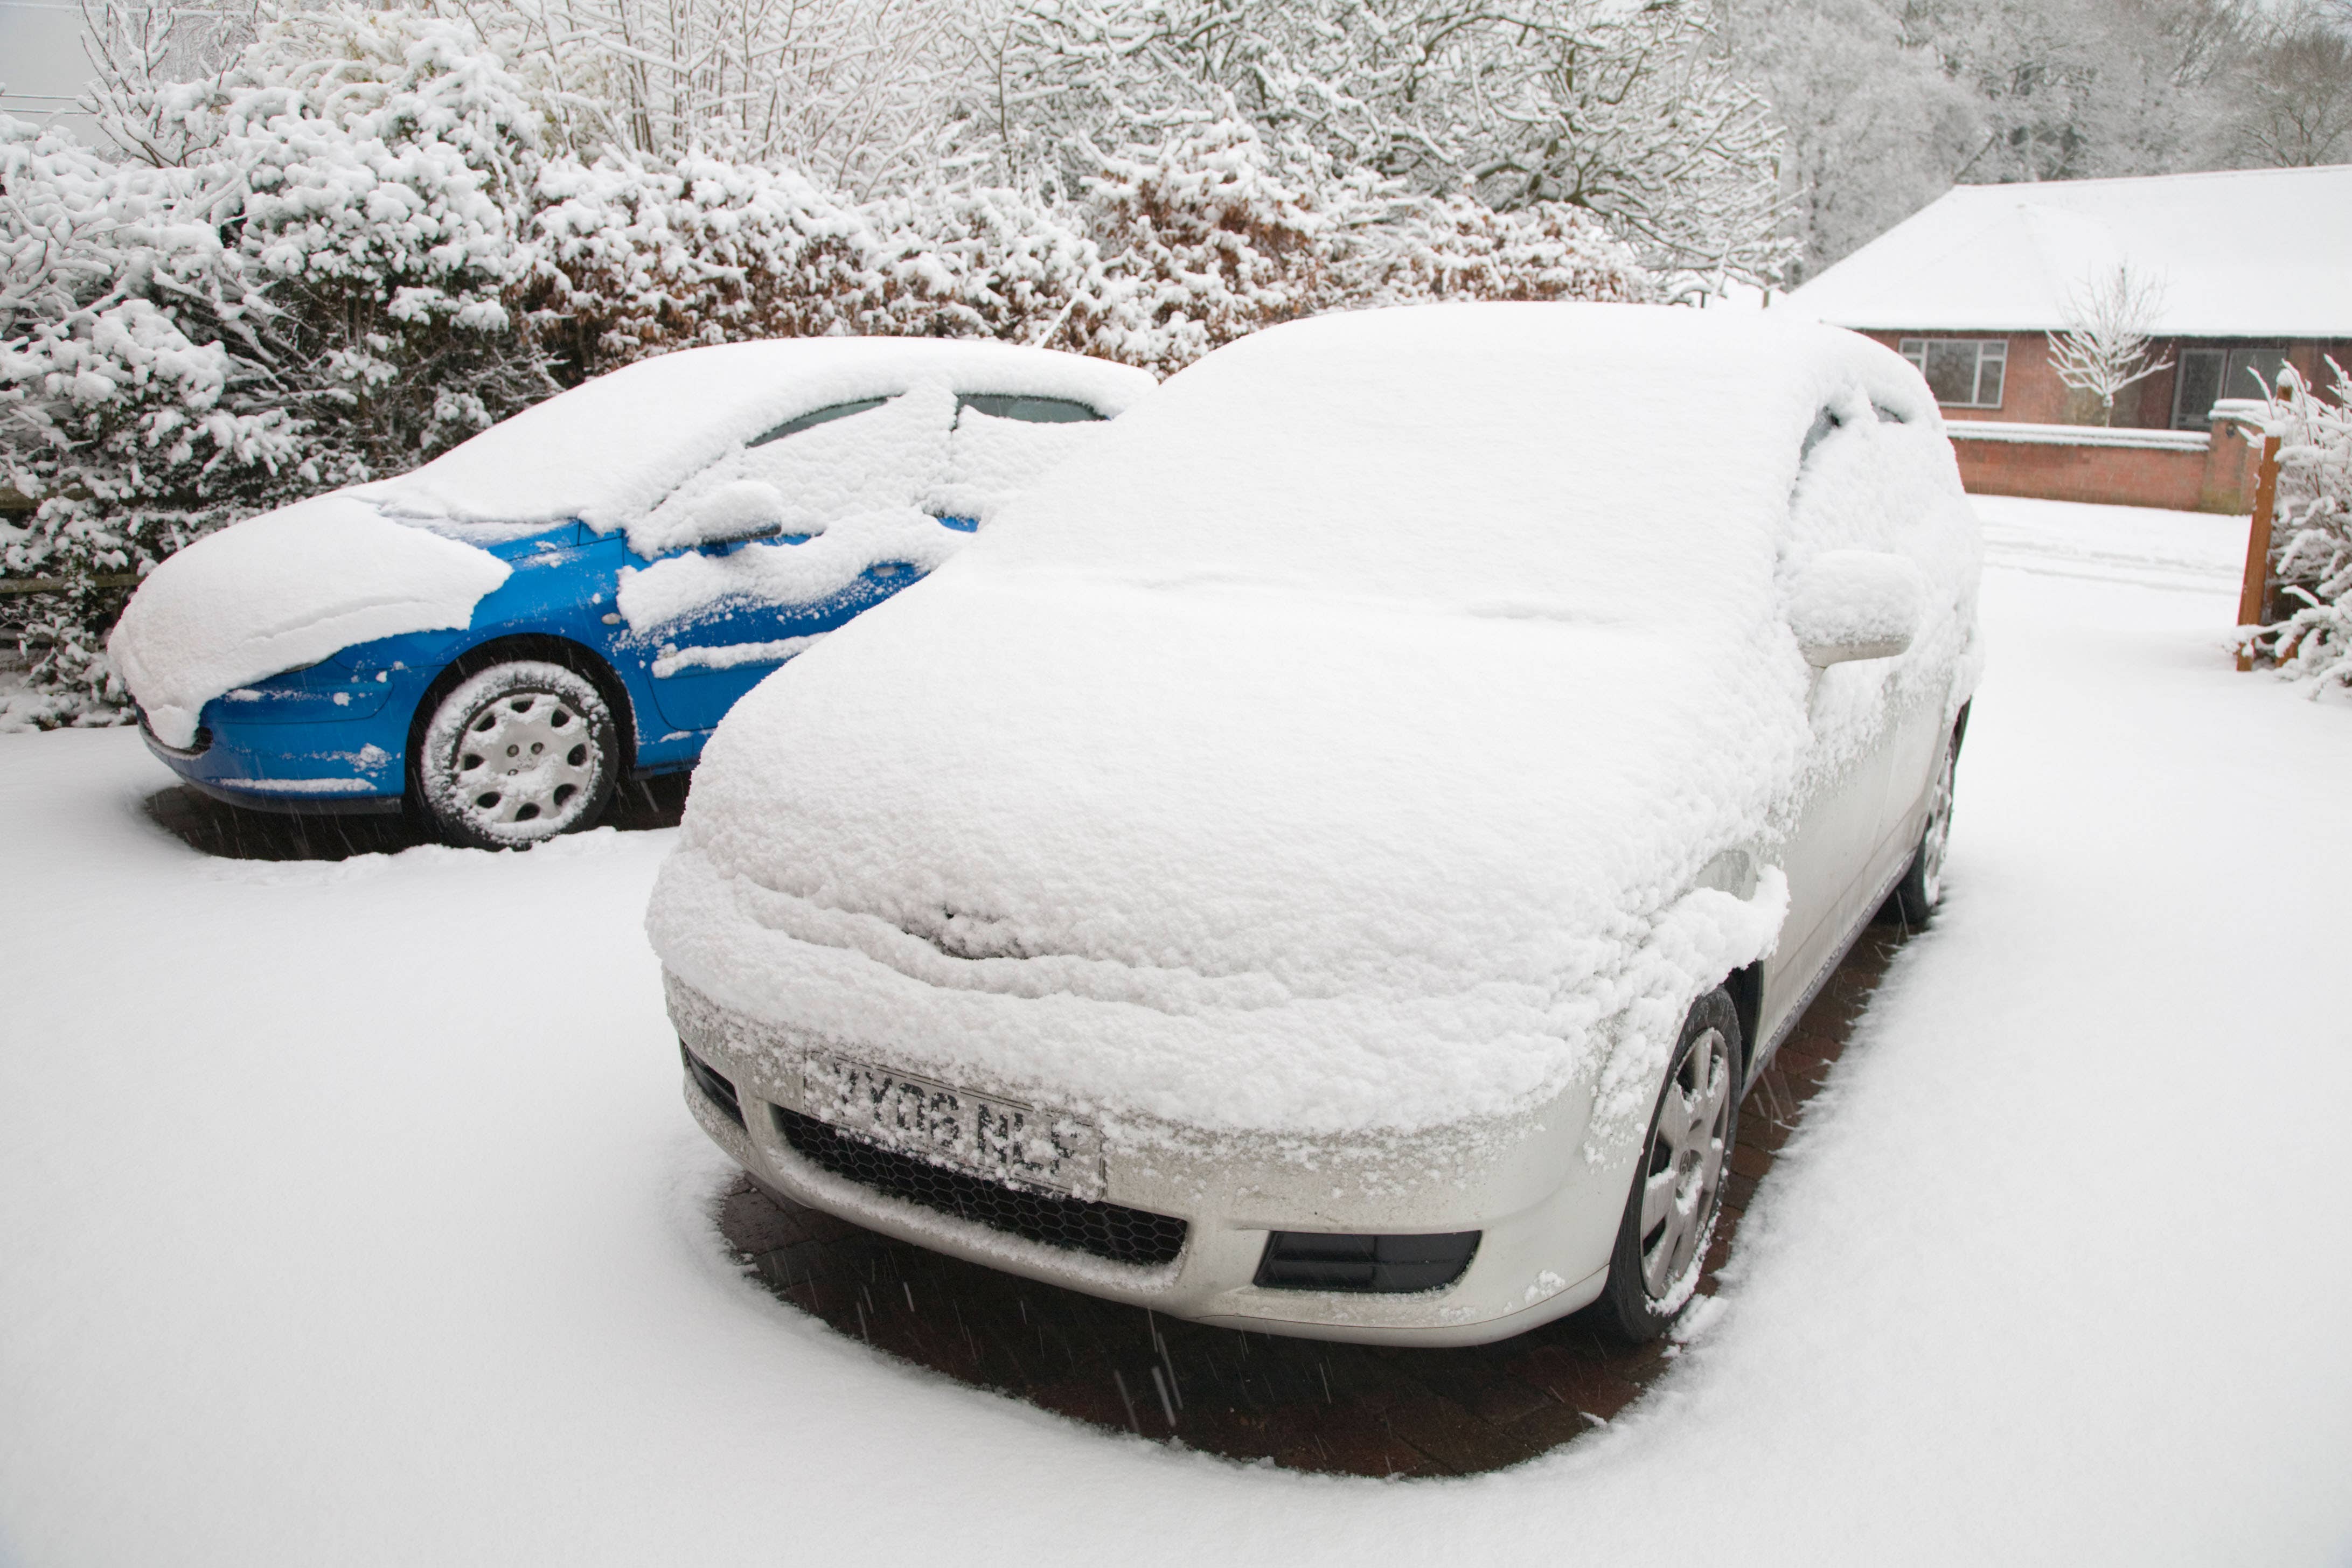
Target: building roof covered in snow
2256,253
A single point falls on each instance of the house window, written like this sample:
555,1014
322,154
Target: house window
1963,373
2208,375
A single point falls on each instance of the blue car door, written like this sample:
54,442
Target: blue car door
926,451
700,669
875,453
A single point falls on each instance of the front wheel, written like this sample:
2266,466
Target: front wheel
515,754
1677,1195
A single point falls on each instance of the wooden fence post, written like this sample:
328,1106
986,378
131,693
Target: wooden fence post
2254,597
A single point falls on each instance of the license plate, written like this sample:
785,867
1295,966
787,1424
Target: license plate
1000,1140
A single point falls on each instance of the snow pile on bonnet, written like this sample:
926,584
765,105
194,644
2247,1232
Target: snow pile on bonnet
281,591
1336,745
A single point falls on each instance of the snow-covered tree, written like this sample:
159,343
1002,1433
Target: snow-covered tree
304,274
1875,128
645,254
2107,346
1428,249
1630,112
135,409
855,94
2312,553
2295,101
963,259
364,174
1206,241
2077,89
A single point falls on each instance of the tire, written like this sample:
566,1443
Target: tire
1676,1198
1922,887
516,754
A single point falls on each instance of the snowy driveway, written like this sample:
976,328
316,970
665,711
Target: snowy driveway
348,1212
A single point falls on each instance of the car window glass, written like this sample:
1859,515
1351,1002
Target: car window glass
820,417
1031,410
1823,423
992,457
886,459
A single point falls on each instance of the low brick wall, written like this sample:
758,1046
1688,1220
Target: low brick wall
2182,470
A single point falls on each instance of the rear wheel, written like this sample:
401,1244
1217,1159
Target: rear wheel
1677,1195
1922,887
517,753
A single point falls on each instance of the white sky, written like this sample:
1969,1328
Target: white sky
42,67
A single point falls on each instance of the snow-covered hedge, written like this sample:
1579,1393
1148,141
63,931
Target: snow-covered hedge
128,409
2312,559
372,234
304,276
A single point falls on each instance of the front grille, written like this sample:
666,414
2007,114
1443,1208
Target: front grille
1104,1229
1315,1260
715,1086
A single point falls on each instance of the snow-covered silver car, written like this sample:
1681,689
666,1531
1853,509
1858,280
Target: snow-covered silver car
1329,860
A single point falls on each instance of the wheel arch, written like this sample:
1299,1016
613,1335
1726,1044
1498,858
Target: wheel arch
579,659
1745,985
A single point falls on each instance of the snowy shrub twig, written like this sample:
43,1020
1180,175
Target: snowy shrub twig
2312,557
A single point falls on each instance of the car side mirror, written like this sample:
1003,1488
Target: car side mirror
1856,604
733,515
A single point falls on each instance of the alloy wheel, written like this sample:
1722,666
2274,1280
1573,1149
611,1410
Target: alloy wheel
1682,1175
1938,833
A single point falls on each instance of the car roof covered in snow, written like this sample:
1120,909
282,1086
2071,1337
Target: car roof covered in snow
1495,457
609,451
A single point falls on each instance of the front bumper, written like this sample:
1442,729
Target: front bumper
1547,1215
310,765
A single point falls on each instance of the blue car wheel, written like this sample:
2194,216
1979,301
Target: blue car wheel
517,752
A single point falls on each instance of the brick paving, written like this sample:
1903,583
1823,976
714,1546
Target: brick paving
1343,1409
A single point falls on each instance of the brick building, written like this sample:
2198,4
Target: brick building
2254,269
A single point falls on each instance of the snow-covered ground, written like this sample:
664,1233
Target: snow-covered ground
348,1213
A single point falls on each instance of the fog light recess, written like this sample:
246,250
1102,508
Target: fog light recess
1387,1265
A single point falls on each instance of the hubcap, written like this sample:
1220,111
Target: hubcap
524,760
1683,1176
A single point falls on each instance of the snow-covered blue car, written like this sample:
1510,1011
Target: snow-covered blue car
579,594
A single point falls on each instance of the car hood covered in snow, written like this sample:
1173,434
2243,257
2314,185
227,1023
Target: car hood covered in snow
281,591
296,585
1338,744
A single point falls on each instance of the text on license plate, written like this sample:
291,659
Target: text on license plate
987,1137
